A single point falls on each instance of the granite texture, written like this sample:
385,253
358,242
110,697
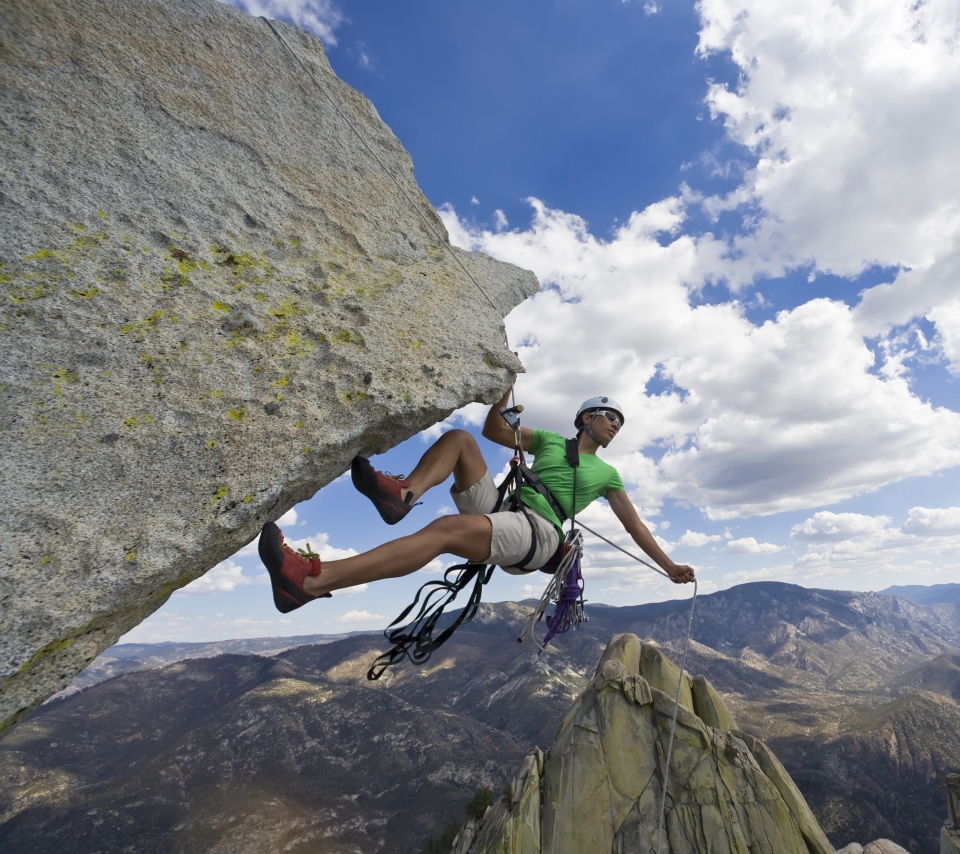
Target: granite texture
213,296
598,789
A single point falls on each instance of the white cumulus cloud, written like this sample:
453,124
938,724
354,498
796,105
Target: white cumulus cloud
694,538
223,578
321,17
848,111
827,527
759,418
360,620
749,546
926,522
946,317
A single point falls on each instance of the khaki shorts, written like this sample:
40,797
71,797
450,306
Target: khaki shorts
512,535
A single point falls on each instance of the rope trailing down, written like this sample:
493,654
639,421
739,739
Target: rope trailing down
414,640
683,661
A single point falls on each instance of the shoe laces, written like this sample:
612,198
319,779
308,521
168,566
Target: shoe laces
397,477
309,553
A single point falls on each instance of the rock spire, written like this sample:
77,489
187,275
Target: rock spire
598,788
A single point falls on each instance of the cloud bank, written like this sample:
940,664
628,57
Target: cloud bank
846,116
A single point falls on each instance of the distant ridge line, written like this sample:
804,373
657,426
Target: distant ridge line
933,594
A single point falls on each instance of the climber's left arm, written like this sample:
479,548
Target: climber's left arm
627,514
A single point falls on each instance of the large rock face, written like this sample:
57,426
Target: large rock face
598,789
213,297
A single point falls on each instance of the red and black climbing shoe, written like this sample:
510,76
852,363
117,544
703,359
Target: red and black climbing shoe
287,568
389,493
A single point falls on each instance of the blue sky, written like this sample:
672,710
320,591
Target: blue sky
745,220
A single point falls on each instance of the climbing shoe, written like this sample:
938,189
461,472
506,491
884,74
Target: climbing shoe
287,568
389,493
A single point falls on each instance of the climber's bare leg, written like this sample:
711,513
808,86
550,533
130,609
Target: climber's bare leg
467,536
455,452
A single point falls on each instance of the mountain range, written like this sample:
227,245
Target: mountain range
855,692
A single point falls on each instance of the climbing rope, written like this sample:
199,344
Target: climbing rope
683,661
444,241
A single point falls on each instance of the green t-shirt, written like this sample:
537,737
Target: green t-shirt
594,476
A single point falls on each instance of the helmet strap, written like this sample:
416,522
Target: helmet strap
590,433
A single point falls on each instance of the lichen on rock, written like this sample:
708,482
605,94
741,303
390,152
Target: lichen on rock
599,786
213,297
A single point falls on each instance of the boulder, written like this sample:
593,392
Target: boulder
884,846
598,789
949,840
220,282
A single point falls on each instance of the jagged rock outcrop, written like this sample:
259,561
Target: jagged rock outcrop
598,788
213,297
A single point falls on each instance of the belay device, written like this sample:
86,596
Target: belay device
414,639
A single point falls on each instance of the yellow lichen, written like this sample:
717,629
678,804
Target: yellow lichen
45,253
217,496
61,376
298,345
238,413
288,308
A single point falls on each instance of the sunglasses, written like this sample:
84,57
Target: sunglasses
610,416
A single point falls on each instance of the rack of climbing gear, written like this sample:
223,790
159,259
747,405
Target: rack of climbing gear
565,590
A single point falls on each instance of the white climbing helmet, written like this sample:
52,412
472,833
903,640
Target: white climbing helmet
598,403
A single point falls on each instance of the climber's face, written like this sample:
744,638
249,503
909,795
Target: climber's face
605,425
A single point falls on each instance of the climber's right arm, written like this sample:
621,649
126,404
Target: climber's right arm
497,430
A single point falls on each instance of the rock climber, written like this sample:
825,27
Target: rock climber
477,534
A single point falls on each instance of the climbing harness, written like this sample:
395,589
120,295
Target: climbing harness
443,240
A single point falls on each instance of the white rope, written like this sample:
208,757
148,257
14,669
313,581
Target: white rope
388,173
683,661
